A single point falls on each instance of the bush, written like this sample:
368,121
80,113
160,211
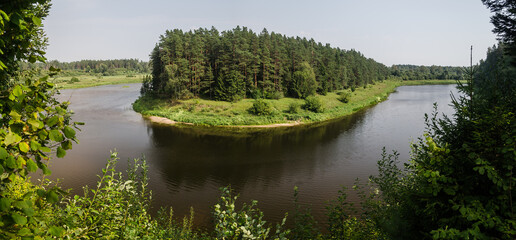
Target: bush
293,108
260,108
313,104
344,96
116,208
246,223
343,222
275,95
305,226
73,80
256,93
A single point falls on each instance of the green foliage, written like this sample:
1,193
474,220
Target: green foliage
459,183
240,63
245,223
74,80
260,108
293,108
343,222
117,208
305,226
22,36
413,72
33,123
31,214
313,104
168,228
344,96
504,20
274,95
304,81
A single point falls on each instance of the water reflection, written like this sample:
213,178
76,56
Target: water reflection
193,158
187,166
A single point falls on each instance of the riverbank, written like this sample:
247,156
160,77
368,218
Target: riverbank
87,80
235,115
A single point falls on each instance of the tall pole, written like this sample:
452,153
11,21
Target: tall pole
471,59
470,84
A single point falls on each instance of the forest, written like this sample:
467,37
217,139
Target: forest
103,67
459,182
240,63
414,72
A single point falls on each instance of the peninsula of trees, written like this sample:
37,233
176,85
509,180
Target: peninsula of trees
240,63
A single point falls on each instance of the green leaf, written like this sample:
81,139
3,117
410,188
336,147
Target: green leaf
17,91
34,145
32,59
31,165
5,204
28,211
41,192
15,115
3,153
1,169
4,15
24,232
24,147
35,123
20,162
43,134
60,152
20,205
69,132
10,163
36,20
53,121
19,219
45,149
11,138
55,135
45,169
52,196
56,231
67,145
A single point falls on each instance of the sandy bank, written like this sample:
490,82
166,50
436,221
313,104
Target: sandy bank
162,120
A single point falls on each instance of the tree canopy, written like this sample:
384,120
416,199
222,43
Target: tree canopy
239,63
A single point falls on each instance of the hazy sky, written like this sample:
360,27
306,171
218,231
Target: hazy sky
420,32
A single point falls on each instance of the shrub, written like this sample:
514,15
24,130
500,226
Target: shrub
275,95
344,96
305,226
313,104
293,108
116,208
256,93
73,80
260,108
246,223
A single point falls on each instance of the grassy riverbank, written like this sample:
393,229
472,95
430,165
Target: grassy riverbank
88,80
218,113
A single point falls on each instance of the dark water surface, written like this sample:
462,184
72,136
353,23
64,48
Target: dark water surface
186,168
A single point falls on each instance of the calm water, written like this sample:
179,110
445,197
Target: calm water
187,168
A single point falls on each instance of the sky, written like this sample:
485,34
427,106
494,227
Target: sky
418,32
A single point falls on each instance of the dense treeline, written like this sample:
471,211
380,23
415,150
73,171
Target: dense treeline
239,63
104,67
414,72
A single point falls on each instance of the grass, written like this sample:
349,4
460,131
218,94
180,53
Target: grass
218,113
87,80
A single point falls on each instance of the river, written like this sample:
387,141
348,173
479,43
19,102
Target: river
186,168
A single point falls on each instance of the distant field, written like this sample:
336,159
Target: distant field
85,80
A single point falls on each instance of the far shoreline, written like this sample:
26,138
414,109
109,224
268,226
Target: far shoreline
334,113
